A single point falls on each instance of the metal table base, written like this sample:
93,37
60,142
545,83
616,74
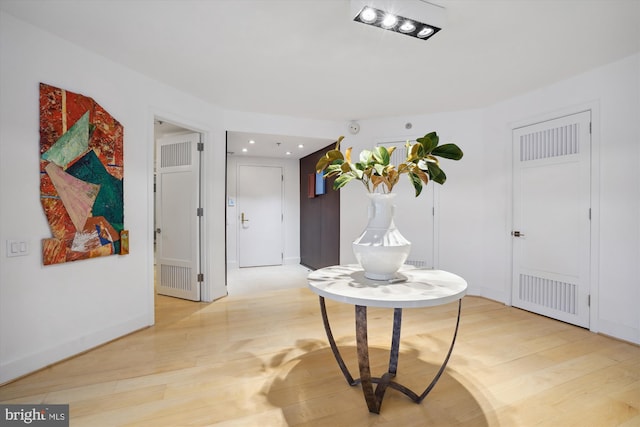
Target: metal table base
372,396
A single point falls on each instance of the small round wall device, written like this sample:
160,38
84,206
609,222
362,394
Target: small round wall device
354,127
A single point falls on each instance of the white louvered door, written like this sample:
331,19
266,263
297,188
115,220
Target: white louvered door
551,218
177,220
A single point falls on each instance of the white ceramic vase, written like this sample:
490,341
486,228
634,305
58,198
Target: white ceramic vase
381,250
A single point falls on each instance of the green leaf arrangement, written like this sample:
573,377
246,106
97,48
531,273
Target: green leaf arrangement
374,168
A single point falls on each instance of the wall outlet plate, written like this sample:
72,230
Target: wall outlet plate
17,248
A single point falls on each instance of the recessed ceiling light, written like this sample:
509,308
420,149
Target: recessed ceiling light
244,150
368,15
416,18
288,153
389,21
251,141
425,32
407,27
300,146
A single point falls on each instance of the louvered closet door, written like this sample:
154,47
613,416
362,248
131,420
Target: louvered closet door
551,218
177,225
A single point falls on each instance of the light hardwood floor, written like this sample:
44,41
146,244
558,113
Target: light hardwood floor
262,359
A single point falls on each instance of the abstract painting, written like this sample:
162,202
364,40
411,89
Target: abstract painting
81,171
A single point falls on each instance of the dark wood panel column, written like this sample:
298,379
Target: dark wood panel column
319,218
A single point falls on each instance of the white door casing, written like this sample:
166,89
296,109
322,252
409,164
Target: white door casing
260,215
551,218
178,216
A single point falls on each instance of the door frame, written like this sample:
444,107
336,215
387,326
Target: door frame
207,291
194,173
594,271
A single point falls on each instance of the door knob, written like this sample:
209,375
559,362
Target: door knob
517,234
158,230
243,220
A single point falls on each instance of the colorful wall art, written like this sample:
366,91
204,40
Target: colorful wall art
81,170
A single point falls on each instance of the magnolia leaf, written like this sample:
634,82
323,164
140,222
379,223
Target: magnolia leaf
338,142
387,183
448,151
432,159
381,155
417,152
436,173
417,183
345,167
341,181
322,164
392,178
429,142
332,170
422,175
365,156
390,150
335,154
379,169
347,154
376,180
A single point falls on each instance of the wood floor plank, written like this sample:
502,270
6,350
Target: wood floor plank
263,360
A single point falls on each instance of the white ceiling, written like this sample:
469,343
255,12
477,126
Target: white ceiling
307,58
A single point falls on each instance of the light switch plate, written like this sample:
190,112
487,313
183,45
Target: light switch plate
17,248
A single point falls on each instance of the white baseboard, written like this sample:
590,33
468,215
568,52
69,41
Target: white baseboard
616,330
231,265
491,294
292,261
17,368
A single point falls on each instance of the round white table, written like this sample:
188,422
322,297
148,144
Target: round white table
413,288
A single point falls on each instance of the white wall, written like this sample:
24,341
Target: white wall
474,219
613,93
50,313
458,201
291,206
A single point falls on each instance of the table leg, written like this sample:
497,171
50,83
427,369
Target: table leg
370,396
395,341
332,343
446,360
374,397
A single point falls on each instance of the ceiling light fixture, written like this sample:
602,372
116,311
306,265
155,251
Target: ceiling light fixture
389,21
415,18
407,27
368,15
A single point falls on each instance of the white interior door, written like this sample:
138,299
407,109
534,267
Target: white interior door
178,216
260,228
416,219
551,218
